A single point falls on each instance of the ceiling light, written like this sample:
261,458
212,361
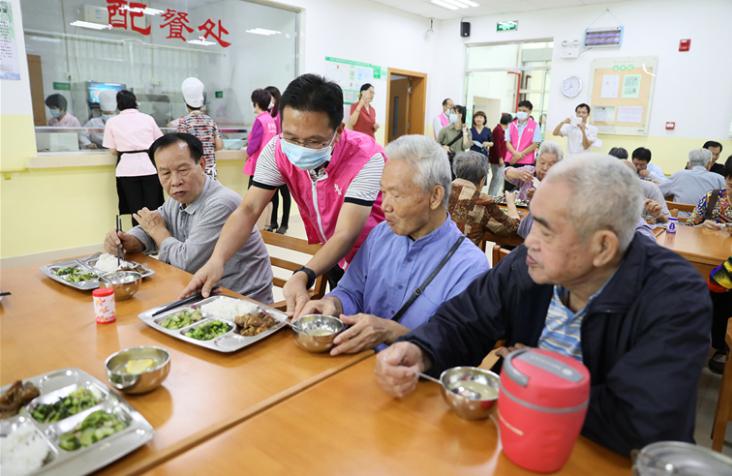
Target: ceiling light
456,3
90,25
263,31
201,41
468,3
442,4
146,10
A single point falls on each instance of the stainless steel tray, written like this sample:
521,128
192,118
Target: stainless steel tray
87,264
229,342
501,200
59,383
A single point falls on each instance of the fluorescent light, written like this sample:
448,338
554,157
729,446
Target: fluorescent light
146,10
469,3
201,41
90,25
263,31
456,3
442,4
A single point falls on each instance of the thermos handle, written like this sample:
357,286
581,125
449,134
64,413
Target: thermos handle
513,373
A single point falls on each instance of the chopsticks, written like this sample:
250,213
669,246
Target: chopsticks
181,302
120,250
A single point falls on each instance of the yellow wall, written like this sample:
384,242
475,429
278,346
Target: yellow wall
52,209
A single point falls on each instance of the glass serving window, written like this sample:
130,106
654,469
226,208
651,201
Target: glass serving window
78,48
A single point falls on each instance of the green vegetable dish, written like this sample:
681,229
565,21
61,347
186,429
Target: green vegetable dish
182,319
74,274
209,330
73,403
95,427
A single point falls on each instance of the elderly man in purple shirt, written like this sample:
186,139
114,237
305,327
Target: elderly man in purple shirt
411,263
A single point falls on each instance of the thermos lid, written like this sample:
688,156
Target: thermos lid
545,378
675,457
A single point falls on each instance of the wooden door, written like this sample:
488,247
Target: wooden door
35,73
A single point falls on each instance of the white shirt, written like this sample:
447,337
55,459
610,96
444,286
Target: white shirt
688,186
574,137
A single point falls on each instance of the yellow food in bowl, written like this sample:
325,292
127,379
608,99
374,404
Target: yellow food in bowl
135,367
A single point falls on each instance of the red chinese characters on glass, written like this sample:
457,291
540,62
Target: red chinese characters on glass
208,28
176,21
120,13
117,13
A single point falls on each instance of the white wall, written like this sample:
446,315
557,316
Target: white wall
693,89
366,31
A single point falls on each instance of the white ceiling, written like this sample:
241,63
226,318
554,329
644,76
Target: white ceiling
487,7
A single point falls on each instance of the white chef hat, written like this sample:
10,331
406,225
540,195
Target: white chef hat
108,100
192,89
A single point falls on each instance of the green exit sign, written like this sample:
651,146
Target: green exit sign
509,25
219,94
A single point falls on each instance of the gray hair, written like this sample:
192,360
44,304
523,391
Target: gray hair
605,195
427,157
699,157
549,147
470,165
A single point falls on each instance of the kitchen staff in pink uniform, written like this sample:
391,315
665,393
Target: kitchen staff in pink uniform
334,176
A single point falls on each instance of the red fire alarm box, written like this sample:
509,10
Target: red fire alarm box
670,125
685,44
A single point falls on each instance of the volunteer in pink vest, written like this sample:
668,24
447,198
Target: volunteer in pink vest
522,139
334,176
443,119
263,130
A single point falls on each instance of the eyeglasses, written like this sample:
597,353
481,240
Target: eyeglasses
310,144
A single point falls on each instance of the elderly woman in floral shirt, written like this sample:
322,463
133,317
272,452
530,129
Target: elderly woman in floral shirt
714,209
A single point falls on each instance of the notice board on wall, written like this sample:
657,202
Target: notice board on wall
622,93
350,75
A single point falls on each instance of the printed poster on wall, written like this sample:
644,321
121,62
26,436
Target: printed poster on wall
8,48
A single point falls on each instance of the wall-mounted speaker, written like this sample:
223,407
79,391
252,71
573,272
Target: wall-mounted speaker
465,29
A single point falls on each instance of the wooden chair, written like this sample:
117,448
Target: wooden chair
681,207
294,244
723,415
498,254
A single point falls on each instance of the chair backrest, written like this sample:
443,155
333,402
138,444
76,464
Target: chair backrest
498,254
682,207
723,414
293,244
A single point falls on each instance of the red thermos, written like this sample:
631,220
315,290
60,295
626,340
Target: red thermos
542,404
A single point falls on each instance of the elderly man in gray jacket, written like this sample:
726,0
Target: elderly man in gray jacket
184,230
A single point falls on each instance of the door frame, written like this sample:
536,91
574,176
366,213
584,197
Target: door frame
417,107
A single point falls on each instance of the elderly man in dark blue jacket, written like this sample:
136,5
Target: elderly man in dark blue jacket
585,285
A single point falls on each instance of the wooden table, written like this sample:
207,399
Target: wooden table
45,326
702,247
348,425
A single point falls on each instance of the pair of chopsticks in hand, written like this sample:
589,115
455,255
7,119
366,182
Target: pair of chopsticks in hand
120,250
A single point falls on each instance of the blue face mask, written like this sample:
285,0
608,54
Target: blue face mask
522,115
305,158
55,112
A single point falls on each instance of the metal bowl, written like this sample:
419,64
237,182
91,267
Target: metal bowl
143,382
471,392
124,283
315,332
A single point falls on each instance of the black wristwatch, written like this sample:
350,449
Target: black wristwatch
311,276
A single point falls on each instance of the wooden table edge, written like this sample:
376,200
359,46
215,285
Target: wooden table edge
194,440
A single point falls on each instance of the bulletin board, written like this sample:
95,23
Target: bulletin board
622,93
350,75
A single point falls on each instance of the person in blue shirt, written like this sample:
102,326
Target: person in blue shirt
481,135
402,252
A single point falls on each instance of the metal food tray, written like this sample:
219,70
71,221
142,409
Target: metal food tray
501,200
60,383
231,341
87,263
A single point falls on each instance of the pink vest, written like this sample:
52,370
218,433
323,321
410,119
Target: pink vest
526,139
269,130
320,202
444,120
